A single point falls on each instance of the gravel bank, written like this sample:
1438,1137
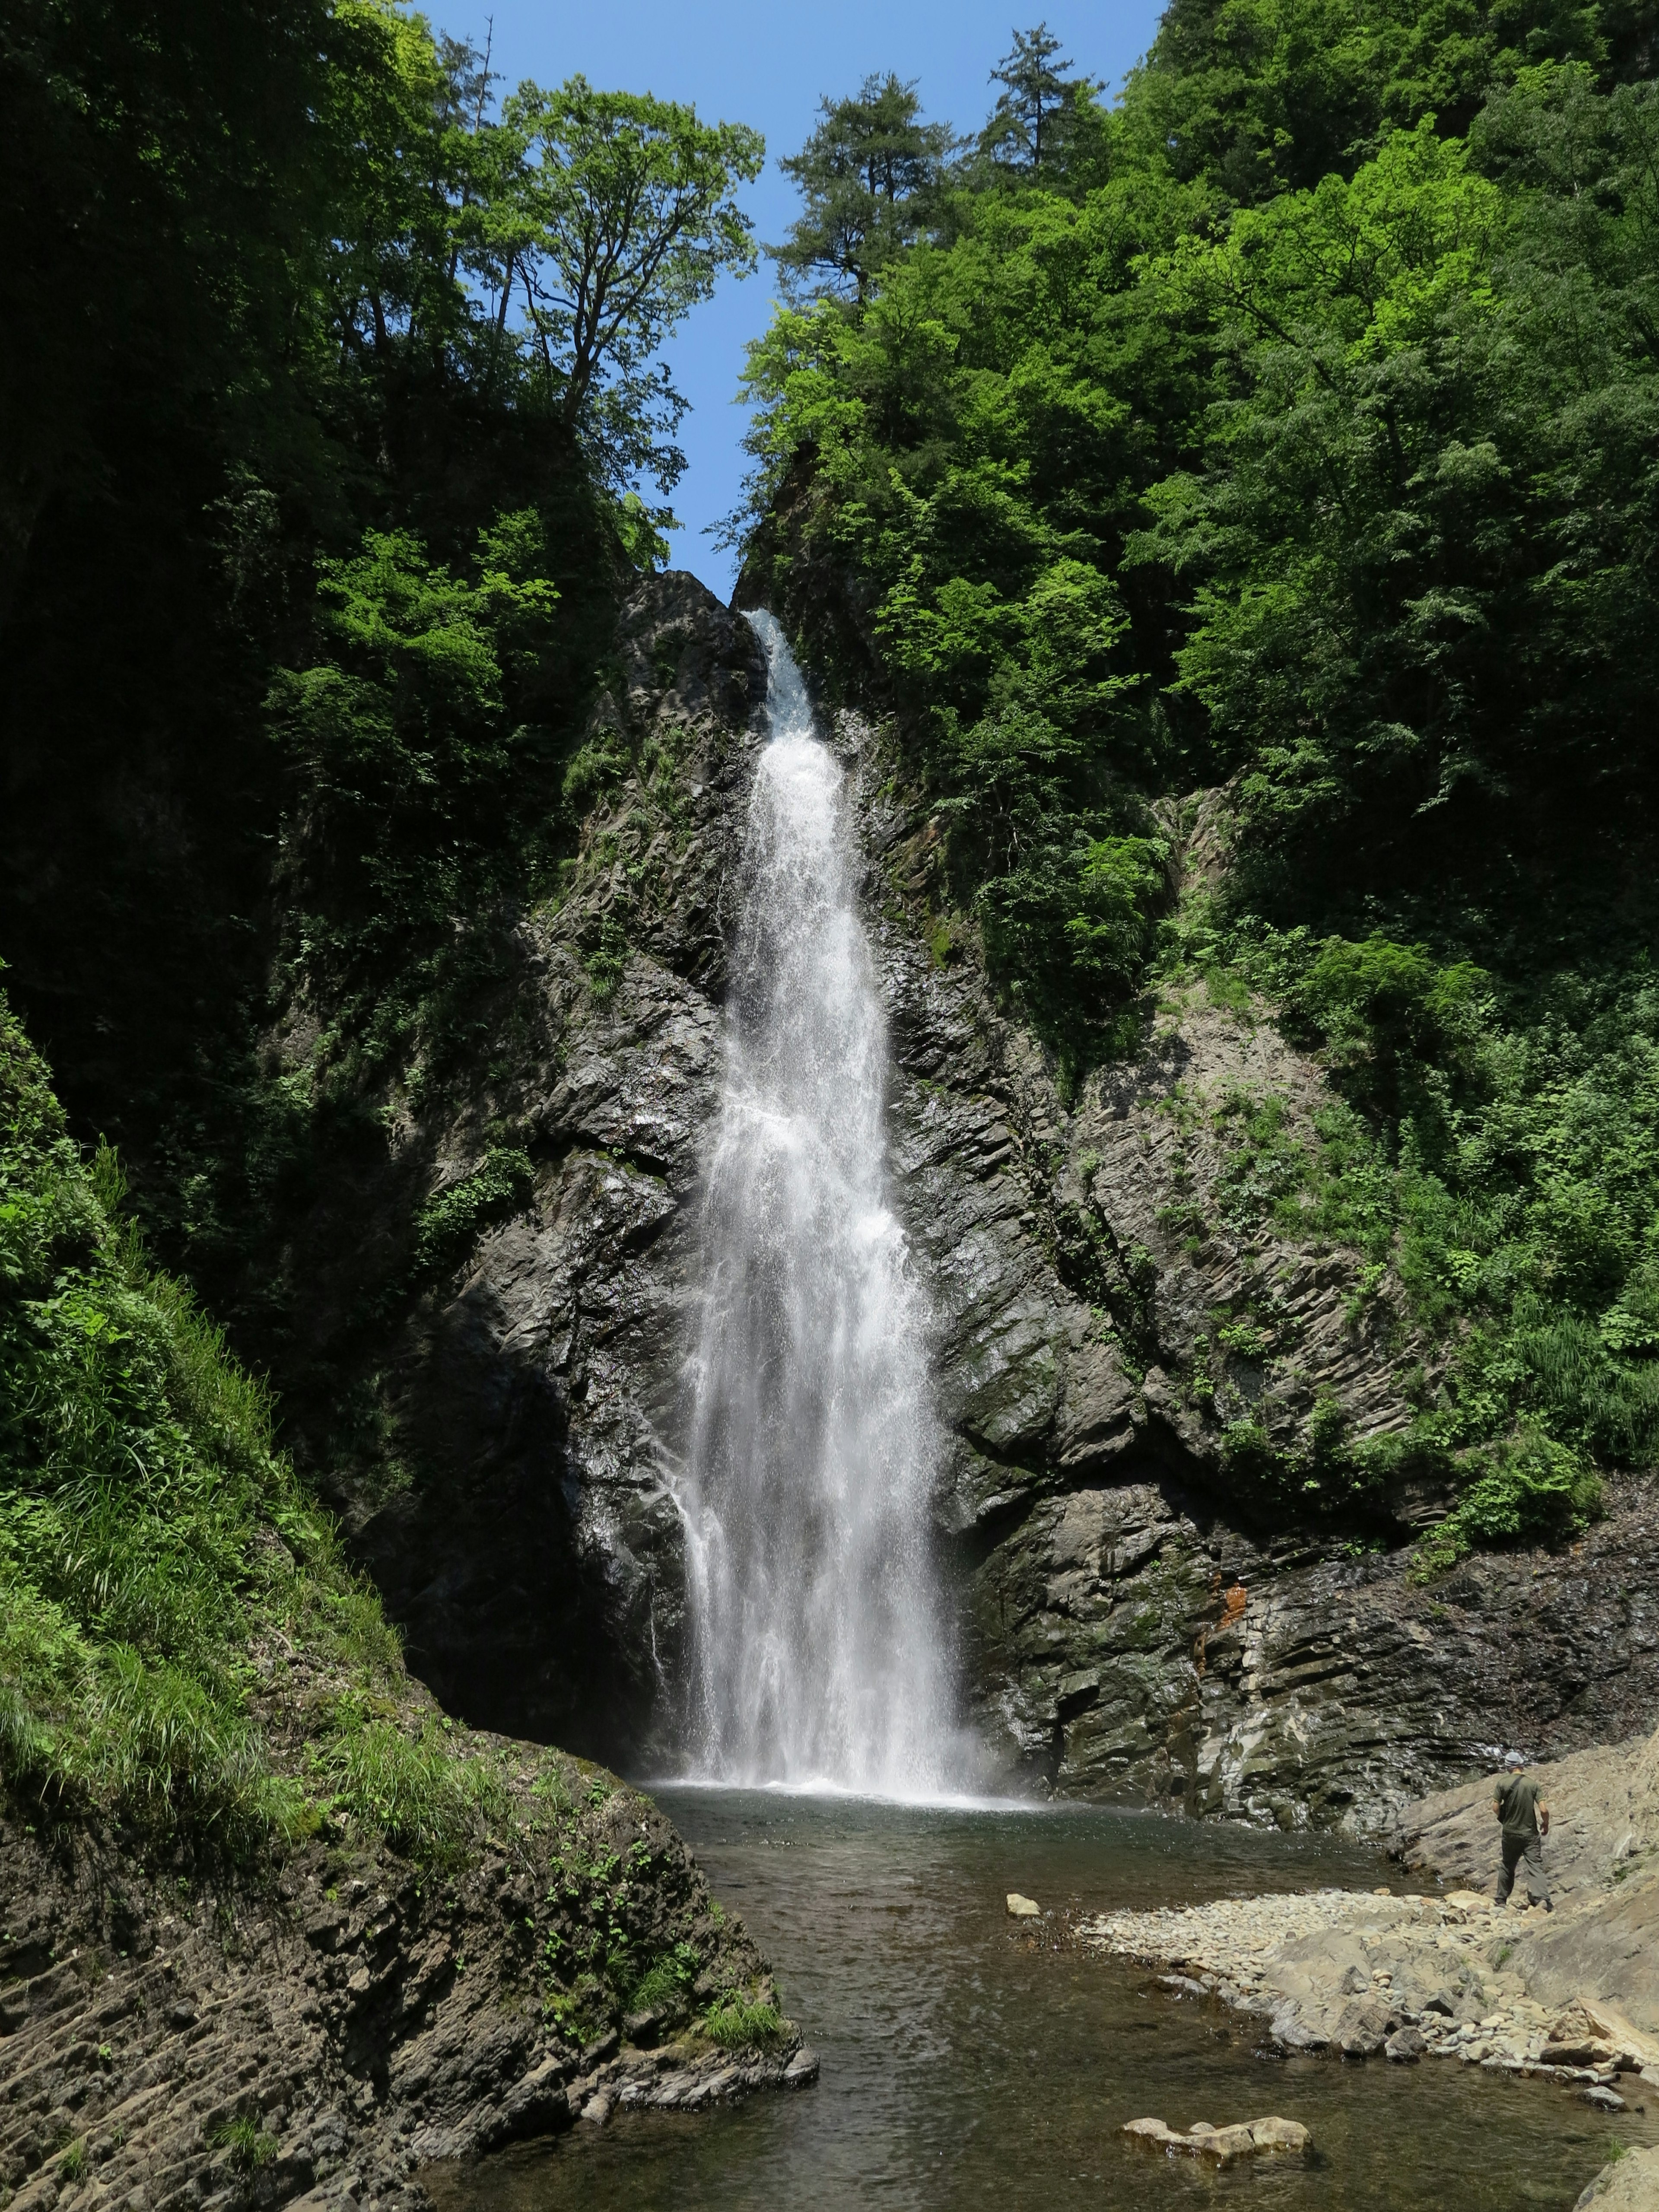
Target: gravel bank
1369,1975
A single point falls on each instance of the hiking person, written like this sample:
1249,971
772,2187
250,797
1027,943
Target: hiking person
1519,1804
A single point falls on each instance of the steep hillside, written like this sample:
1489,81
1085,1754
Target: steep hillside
267,1915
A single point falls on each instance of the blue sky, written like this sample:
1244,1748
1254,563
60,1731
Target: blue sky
768,66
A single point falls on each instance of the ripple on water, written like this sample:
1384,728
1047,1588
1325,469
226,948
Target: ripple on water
969,2062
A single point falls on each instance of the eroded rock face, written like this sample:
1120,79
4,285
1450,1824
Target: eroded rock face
535,1396
1141,1620
320,2030
1122,1335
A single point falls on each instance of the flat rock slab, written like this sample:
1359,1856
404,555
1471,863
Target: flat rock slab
1628,2184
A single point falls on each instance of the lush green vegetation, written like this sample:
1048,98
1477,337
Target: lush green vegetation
186,1658
331,379
155,1547
1290,425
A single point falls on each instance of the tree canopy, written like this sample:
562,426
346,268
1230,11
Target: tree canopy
615,212
1036,100
333,384
1282,441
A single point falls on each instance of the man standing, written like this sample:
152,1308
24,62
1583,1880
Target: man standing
1519,1804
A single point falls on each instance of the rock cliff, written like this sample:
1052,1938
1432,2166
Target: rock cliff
169,2037
1121,1336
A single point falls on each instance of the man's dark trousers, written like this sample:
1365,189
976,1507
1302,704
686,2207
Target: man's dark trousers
1527,1850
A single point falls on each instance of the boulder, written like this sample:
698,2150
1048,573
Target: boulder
1021,1908
1225,2145
1629,2183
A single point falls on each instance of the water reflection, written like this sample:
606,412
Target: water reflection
966,2064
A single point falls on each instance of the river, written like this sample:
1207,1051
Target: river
967,2061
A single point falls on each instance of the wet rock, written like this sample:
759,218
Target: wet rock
536,1567
1223,2146
1021,1908
1137,1622
1405,2045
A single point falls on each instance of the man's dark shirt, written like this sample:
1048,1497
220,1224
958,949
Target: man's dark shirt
1518,1806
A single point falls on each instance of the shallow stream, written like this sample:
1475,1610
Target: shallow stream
968,2062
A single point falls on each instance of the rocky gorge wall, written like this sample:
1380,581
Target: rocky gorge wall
1136,1620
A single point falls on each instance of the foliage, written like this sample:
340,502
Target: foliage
665,1986
615,212
449,1223
317,477
413,737
736,2024
250,2146
871,177
409,1788
1027,125
150,1536
1290,424
1422,541
1506,1174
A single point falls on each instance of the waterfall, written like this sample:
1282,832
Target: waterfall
817,1650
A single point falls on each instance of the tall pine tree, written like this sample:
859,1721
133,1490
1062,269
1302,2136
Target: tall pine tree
869,177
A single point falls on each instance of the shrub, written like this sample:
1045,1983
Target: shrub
249,2146
452,1220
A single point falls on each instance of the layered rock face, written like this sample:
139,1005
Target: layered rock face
535,1397
169,2040
1138,1622
1110,1316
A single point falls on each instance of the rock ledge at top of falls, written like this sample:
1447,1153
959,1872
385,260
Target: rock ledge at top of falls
1132,1624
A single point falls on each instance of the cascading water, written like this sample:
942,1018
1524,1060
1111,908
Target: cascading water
815,1644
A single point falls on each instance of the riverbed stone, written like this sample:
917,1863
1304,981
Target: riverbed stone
1021,1908
1223,2146
1629,2183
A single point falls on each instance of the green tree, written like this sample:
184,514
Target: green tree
870,176
616,214
1028,124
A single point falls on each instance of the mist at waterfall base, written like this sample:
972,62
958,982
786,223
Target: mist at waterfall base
818,1650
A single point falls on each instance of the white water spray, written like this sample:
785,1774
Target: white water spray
815,1636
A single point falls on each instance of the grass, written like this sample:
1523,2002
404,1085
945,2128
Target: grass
249,2145
409,1788
736,2025
664,1986
153,1540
